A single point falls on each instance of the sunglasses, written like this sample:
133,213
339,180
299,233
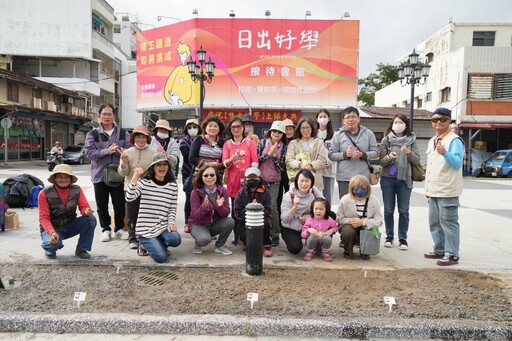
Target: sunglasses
210,175
236,127
439,119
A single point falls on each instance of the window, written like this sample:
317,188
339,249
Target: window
445,94
428,98
430,57
489,86
419,102
12,92
503,86
117,28
485,38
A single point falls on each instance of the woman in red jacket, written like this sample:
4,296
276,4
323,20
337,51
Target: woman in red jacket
209,203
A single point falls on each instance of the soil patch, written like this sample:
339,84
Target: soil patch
304,293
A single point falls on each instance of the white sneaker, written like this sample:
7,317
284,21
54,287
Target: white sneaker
122,234
105,236
224,250
197,250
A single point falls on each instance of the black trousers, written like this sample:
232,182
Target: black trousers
102,193
293,240
132,210
284,187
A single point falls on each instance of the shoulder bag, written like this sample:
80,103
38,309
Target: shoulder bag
418,172
374,170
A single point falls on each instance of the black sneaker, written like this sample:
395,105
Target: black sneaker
389,242
51,255
275,241
82,254
402,245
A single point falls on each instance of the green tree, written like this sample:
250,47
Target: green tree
382,77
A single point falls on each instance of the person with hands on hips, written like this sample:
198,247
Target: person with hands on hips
57,214
210,210
158,192
397,152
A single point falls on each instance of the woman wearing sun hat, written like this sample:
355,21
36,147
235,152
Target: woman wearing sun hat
163,142
140,155
57,214
271,157
158,193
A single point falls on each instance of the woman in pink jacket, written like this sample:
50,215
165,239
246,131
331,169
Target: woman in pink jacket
238,154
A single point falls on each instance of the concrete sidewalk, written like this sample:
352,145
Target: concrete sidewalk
486,246
485,217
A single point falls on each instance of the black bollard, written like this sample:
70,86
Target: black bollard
254,221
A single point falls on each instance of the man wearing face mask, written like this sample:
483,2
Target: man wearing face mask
248,122
190,131
255,192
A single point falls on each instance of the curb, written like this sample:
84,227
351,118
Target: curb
255,326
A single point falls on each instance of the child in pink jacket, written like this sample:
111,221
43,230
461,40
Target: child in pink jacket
318,230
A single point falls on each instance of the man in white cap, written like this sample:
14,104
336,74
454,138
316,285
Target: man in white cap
57,214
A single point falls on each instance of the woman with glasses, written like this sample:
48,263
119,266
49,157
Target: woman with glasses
306,152
397,151
190,131
352,148
238,154
271,156
358,208
209,203
296,208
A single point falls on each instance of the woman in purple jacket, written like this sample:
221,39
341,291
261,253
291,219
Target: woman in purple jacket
209,203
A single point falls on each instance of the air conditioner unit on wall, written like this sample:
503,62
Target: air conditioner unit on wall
36,103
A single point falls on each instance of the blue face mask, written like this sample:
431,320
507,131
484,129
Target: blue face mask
359,191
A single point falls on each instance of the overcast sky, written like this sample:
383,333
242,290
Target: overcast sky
388,28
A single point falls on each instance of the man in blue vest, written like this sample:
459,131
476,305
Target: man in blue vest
57,214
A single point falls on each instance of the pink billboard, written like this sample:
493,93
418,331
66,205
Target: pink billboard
259,63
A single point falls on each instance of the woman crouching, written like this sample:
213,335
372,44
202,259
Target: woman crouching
158,192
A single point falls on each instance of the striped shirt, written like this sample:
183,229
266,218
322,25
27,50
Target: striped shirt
158,204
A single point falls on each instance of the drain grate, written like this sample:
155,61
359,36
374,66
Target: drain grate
158,277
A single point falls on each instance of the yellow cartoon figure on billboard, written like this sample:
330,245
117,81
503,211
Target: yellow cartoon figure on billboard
179,88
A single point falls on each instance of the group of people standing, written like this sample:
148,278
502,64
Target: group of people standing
290,171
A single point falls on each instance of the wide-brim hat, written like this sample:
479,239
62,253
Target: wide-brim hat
288,122
192,121
158,158
62,169
140,129
162,124
247,118
279,126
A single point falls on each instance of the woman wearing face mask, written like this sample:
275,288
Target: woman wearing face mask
190,131
254,192
163,142
140,155
325,133
357,209
397,152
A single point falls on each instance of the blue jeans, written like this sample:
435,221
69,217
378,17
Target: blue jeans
83,226
157,246
328,188
443,217
394,190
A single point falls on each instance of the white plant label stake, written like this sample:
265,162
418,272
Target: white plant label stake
390,300
365,271
79,297
118,266
252,297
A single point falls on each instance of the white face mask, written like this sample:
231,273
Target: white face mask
249,129
163,136
323,121
398,128
192,132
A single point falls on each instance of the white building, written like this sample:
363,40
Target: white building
471,74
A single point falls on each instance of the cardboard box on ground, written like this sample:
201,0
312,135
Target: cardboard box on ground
12,220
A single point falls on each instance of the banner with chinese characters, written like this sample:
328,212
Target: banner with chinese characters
259,62
259,116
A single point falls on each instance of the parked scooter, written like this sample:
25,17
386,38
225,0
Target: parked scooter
53,159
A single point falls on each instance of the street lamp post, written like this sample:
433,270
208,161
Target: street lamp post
197,73
413,74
